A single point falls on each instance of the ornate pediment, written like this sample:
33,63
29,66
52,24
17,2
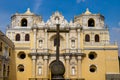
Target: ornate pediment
52,21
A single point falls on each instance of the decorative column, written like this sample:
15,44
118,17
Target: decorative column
92,38
67,67
23,36
79,65
46,41
33,66
46,67
34,41
67,42
79,41
13,36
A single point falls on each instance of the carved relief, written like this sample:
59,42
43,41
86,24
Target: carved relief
52,20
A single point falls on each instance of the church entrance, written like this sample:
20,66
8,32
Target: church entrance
57,70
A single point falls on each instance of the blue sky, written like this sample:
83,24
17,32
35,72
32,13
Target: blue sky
69,8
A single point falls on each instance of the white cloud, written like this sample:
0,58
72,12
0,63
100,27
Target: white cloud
115,29
78,1
118,23
37,4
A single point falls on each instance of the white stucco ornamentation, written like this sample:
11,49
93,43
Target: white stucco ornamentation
52,21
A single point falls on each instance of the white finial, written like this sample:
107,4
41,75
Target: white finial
28,11
87,11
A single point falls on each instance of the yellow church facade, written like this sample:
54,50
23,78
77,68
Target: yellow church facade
6,50
85,48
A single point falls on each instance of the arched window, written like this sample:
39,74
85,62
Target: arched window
24,22
91,22
87,38
97,38
27,37
17,38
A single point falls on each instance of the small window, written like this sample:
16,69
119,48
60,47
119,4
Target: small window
27,37
92,55
97,38
93,68
24,22
91,22
17,38
1,46
87,38
21,55
20,68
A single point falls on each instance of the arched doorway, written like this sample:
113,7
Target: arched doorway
57,70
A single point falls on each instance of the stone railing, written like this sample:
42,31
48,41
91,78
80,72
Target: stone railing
55,79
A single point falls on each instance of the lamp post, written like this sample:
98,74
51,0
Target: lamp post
57,67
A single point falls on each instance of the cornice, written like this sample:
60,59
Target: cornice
5,39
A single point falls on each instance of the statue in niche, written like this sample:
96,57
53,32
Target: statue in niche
40,43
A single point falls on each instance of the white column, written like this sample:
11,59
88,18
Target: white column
92,39
13,36
46,41
33,66
46,67
79,67
67,67
67,42
34,43
22,37
79,41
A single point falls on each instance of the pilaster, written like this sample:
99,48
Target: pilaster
45,67
33,66
79,65
35,36
67,43
79,41
23,36
46,40
67,58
